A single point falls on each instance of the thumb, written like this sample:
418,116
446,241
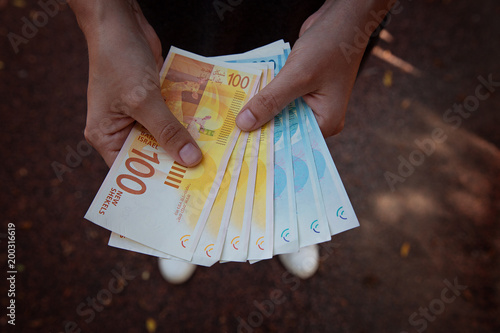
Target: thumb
283,89
169,132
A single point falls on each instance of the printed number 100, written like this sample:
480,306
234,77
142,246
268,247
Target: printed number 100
135,179
236,80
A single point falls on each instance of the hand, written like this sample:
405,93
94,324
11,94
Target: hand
124,63
317,68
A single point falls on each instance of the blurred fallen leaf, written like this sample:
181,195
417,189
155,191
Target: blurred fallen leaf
387,78
405,104
67,248
20,268
438,62
26,225
19,3
36,323
343,302
405,249
468,295
151,325
22,171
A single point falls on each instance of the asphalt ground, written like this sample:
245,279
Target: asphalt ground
425,258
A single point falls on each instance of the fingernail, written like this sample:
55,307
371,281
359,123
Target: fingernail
246,120
190,154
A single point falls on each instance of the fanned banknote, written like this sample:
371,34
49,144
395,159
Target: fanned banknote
311,217
341,216
209,248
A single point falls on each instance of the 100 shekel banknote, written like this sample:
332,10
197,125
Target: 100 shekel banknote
148,197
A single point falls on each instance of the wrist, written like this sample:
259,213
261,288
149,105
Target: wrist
92,15
359,11
350,18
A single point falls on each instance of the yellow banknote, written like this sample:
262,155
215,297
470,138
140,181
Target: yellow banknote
235,247
262,226
260,244
209,248
147,196
249,209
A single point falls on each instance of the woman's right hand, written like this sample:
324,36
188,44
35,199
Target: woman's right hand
124,63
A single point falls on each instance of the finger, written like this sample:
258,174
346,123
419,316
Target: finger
171,135
330,109
107,136
330,122
283,89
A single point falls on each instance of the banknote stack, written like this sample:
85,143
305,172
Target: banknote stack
254,195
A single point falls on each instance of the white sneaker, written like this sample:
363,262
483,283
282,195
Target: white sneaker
174,271
303,263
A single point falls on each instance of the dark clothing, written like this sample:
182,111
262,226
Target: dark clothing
218,27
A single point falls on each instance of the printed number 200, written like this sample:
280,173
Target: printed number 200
134,179
236,80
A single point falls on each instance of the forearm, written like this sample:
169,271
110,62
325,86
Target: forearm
347,25
363,10
366,15
113,25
